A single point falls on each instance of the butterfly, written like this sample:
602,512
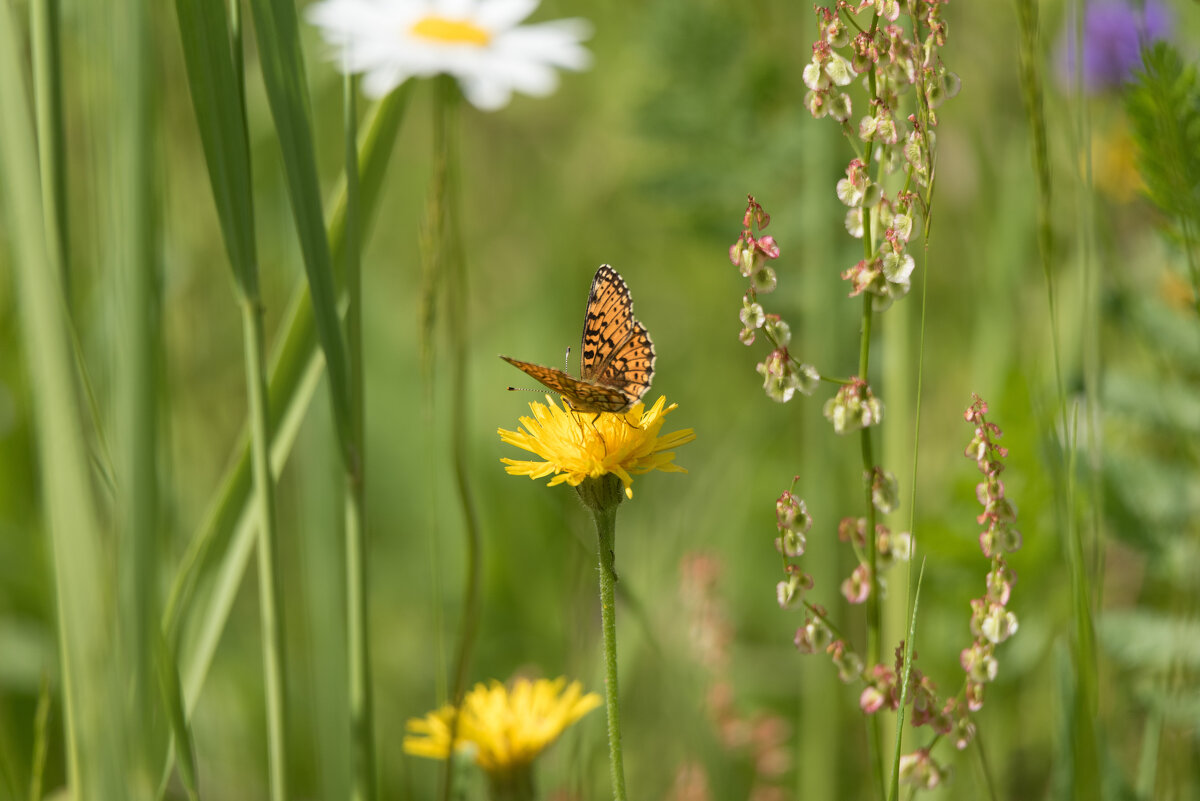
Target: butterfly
617,361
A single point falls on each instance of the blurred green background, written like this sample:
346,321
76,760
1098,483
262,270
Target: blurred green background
644,162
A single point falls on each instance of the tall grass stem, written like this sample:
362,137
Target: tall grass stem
82,586
445,238
131,254
270,600
362,725
208,578
46,52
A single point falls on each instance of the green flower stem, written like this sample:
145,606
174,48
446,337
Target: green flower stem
45,49
362,724
514,784
211,570
270,594
444,250
874,739
130,242
603,496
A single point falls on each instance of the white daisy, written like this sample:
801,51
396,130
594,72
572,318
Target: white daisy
479,42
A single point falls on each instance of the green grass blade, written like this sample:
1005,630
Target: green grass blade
47,94
276,27
910,647
41,740
1083,653
211,571
270,592
185,749
215,85
83,594
217,96
131,248
359,689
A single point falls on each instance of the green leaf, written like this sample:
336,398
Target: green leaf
1164,109
204,588
220,115
82,586
282,62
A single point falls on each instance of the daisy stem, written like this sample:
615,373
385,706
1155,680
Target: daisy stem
362,728
606,528
446,247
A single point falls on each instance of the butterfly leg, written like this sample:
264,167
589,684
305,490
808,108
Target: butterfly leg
596,417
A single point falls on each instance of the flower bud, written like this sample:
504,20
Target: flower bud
791,513
763,279
751,315
839,70
814,76
778,330
885,491
840,106
857,588
999,624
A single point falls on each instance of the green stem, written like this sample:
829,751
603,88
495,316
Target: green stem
362,726
199,590
445,239
47,82
270,599
604,498
874,738
515,784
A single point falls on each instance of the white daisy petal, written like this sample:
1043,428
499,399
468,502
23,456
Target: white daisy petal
557,43
454,9
479,42
380,82
500,15
528,77
486,93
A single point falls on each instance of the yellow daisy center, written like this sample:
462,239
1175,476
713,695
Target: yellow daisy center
451,31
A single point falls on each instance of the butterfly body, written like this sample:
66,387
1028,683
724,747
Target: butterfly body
617,357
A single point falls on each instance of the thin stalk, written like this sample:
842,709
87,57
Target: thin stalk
446,238
1086,759
910,648
606,530
270,599
211,569
873,610
81,567
131,250
41,737
47,94
362,727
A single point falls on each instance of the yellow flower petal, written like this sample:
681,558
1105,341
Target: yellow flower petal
506,728
573,445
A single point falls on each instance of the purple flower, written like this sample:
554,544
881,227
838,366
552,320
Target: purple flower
1113,35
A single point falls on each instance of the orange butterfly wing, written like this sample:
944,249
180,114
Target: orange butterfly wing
584,396
617,360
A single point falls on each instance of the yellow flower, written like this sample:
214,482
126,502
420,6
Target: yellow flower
580,445
507,729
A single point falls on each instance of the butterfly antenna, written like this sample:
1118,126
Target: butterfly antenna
567,361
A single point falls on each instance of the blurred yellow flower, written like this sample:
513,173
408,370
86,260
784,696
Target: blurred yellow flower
580,445
1114,164
506,728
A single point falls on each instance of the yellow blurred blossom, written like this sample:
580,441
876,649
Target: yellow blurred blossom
506,728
